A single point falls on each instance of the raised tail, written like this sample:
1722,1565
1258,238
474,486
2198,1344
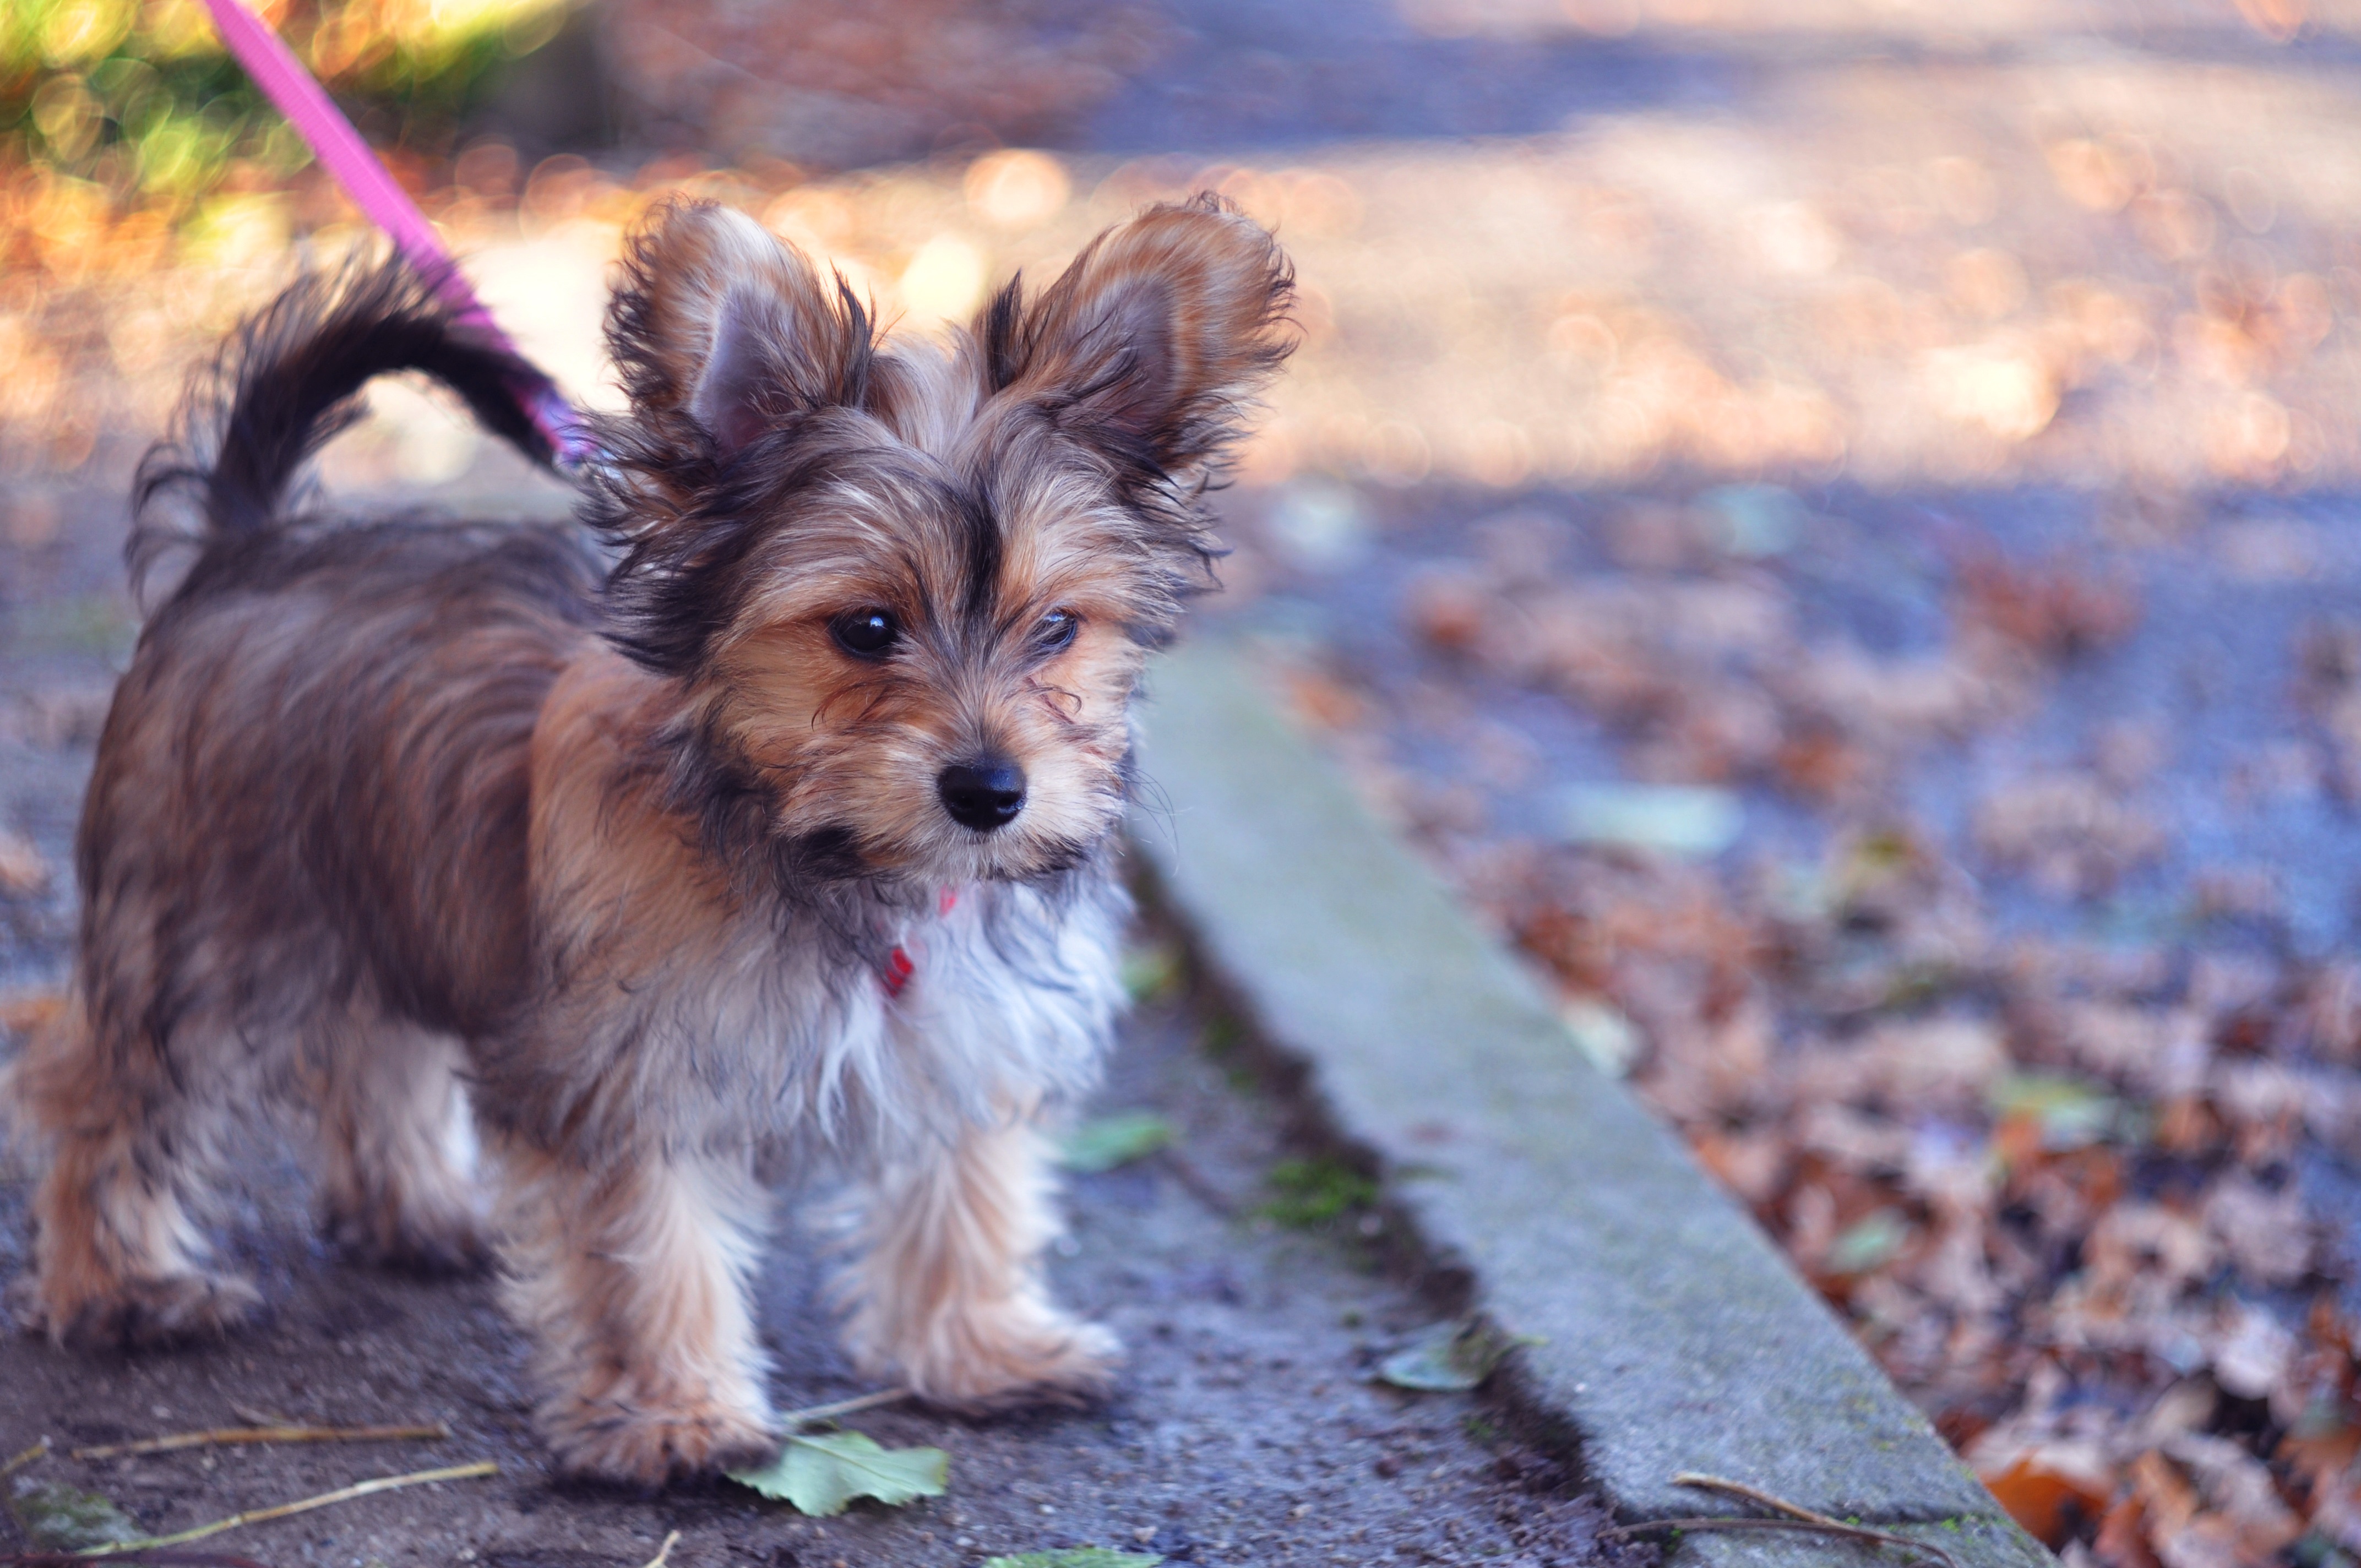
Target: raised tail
288,381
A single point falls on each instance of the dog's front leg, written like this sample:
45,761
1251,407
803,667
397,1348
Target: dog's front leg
632,1274
947,1291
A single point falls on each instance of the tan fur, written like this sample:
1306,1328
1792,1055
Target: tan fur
631,1276
946,1292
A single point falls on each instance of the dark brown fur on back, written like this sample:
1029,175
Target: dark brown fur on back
339,716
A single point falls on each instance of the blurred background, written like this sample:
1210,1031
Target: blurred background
1834,522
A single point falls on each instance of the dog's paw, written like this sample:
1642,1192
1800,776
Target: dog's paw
608,1441
21,1304
1018,1354
179,1309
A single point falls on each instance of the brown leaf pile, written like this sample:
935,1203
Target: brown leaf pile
2051,1184
1703,663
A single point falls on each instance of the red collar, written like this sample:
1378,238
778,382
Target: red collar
899,966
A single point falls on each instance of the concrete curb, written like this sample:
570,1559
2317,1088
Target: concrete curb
1673,1335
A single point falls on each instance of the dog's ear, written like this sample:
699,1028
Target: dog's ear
721,331
1153,344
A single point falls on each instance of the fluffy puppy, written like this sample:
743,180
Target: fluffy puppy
784,838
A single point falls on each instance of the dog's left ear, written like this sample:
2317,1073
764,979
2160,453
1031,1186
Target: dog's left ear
1154,342
722,331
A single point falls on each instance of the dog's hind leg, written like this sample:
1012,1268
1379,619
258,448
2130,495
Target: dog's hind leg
118,1260
397,1143
631,1276
947,1289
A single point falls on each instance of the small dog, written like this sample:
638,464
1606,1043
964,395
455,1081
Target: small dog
779,835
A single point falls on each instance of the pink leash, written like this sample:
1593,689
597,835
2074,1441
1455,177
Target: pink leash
339,148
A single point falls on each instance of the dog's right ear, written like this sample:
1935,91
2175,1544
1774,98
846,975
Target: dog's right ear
722,332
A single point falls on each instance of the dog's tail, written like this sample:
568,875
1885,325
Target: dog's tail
289,379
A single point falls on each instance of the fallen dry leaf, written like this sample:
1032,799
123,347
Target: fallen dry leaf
2052,1489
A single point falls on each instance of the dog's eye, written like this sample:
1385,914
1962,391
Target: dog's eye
865,633
1057,630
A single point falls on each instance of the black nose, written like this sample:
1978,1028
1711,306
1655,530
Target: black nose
983,795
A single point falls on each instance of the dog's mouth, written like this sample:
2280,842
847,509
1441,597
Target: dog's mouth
1003,856
836,854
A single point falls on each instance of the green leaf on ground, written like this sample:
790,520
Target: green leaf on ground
1869,1242
819,1475
1153,972
1449,1358
1119,1139
58,1518
1685,820
1078,1557
1309,1192
2072,1114
1602,1033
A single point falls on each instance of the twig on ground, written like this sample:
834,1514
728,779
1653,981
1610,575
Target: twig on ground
805,1418
20,1461
301,1505
664,1551
254,1416
1756,1494
1799,1518
158,1557
226,1435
